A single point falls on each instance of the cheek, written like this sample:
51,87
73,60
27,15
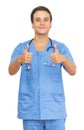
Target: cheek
35,25
49,25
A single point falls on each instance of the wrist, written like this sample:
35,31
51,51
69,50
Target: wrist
19,60
64,59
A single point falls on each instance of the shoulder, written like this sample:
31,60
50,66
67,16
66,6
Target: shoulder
59,44
61,47
21,46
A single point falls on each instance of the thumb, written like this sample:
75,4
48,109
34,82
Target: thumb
27,48
56,49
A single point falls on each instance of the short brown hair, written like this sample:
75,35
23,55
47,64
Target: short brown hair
42,8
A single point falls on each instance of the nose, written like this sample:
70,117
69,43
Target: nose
42,22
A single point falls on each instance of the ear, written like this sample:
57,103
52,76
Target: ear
32,25
51,25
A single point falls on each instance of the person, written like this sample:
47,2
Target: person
41,98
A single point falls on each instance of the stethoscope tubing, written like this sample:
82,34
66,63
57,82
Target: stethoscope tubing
27,66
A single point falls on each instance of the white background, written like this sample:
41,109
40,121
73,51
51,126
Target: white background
67,27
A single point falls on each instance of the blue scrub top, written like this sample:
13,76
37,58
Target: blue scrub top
41,93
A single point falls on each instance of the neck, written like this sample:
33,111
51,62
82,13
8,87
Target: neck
40,42
41,39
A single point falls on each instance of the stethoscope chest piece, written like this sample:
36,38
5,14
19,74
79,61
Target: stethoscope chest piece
27,67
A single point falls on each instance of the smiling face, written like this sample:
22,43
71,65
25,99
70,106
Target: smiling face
41,22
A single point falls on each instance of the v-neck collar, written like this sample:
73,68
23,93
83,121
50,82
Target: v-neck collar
45,49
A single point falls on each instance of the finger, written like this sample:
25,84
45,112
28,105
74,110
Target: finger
27,48
56,49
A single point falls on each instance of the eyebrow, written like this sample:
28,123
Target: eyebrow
39,17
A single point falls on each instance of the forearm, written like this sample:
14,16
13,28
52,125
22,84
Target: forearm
14,66
69,66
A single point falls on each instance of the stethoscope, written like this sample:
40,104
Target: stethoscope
51,46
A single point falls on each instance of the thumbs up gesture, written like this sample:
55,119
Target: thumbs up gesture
57,57
26,56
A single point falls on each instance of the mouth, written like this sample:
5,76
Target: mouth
42,27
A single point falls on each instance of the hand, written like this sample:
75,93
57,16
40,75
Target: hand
26,56
57,57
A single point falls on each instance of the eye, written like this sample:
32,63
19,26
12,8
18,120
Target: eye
37,19
46,19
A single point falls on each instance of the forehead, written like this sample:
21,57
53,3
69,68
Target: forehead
41,13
